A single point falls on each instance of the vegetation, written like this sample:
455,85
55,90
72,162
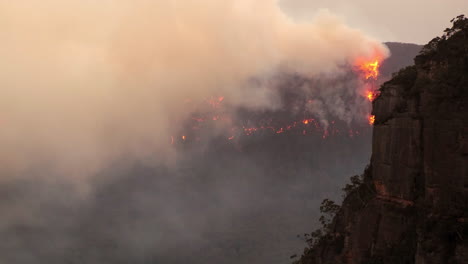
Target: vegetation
459,23
356,181
448,44
329,209
442,65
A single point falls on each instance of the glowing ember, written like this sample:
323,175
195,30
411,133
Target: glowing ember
201,121
300,127
198,119
308,121
371,96
371,119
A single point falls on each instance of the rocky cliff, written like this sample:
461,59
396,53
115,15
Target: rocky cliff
411,205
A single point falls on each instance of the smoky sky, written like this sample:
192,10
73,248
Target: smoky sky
86,82
415,21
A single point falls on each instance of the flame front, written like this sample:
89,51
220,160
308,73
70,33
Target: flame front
370,69
305,126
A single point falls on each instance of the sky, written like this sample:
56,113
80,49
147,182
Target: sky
412,21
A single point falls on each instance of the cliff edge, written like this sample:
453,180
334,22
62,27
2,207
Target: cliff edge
411,205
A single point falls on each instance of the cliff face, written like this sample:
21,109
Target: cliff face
412,206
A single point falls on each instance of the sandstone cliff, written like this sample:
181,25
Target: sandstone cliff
412,205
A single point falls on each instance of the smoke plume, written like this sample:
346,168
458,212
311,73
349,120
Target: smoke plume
86,82
91,92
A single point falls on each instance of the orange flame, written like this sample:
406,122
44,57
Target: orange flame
370,69
371,119
371,96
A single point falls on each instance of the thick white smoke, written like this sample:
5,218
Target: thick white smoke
85,82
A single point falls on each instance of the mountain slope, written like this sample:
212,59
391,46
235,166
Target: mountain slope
402,55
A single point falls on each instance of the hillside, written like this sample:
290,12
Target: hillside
402,55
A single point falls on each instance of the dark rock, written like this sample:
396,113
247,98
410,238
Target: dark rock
413,204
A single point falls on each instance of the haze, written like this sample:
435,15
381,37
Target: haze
414,21
92,92
86,82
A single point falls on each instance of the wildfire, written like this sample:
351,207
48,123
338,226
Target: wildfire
371,96
370,69
305,126
371,119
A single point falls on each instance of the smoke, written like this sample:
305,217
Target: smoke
86,82
97,88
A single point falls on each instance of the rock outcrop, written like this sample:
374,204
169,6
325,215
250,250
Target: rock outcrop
412,206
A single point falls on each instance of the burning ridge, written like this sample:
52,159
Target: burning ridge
296,117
